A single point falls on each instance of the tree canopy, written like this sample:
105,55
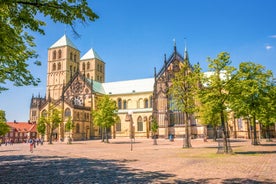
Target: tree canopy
4,128
18,20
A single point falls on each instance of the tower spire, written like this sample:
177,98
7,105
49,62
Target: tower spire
174,45
186,57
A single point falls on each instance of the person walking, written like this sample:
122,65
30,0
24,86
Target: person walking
31,142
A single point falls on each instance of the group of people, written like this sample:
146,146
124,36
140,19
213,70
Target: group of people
7,142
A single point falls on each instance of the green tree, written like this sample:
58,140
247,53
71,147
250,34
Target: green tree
41,126
154,129
217,90
105,114
51,122
4,128
18,19
252,89
68,127
209,117
183,91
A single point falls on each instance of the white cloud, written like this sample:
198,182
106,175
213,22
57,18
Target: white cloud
268,47
272,36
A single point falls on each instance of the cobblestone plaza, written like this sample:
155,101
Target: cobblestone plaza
97,162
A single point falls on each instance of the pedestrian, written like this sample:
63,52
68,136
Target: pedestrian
31,142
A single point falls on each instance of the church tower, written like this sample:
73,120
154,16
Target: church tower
63,62
92,66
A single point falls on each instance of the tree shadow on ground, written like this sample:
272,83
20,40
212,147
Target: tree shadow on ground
125,142
223,181
56,169
254,152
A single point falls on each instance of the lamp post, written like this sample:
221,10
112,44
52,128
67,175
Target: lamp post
131,133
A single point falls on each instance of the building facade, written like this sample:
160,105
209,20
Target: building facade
74,83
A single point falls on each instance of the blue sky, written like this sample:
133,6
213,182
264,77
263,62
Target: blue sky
133,36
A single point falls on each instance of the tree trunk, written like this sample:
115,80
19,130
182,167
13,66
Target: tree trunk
226,143
215,133
187,140
106,135
102,133
154,139
255,140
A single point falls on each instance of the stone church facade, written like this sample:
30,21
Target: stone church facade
74,83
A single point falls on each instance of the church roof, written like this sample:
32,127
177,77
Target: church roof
64,41
91,54
129,86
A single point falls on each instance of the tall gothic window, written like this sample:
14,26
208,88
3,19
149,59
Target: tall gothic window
118,127
75,58
83,66
88,66
71,56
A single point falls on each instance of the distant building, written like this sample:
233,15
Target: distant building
20,132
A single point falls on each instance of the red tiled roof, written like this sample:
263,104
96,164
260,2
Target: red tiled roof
22,126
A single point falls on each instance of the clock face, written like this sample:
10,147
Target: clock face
77,100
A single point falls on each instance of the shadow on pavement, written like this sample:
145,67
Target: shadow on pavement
224,181
255,152
56,169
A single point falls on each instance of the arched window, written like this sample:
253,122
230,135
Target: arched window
54,67
151,101
71,56
124,104
44,113
140,103
54,54
83,66
59,54
119,103
146,103
59,66
77,128
88,76
75,58
88,66
67,112
139,124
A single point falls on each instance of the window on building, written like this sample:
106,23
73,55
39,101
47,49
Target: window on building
83,66
59,54
118,127
67,112
77,128
33,113
139,124
71,56
146,103
75,58
59,66
44,113
151,101
54,67
54,54
88,76
119,103
88,66
124,104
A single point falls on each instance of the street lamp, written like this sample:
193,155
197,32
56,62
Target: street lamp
131,132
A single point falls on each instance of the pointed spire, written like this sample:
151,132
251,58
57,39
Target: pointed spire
186,57
174,45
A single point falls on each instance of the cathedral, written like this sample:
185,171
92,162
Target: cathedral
74,83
